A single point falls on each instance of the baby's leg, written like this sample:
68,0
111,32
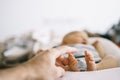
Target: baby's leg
99,48
91,66
73,63
107,62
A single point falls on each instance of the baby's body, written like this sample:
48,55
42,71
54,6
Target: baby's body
91,54
80,55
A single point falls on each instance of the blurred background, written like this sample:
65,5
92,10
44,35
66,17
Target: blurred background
61,16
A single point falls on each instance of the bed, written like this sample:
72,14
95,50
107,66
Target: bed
106,74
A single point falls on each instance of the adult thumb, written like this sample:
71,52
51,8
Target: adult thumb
59,72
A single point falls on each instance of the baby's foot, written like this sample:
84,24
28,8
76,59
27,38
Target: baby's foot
91,66
66,68
73,63
62,60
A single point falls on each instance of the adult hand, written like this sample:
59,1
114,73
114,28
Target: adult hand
49,57
40,67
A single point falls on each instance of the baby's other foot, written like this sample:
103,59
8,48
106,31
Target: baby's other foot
91,66
73,63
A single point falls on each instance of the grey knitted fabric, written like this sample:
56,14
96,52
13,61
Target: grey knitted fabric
80,56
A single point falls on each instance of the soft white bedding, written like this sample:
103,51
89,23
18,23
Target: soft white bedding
107,74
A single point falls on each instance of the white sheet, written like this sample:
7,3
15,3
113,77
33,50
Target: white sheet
107,74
